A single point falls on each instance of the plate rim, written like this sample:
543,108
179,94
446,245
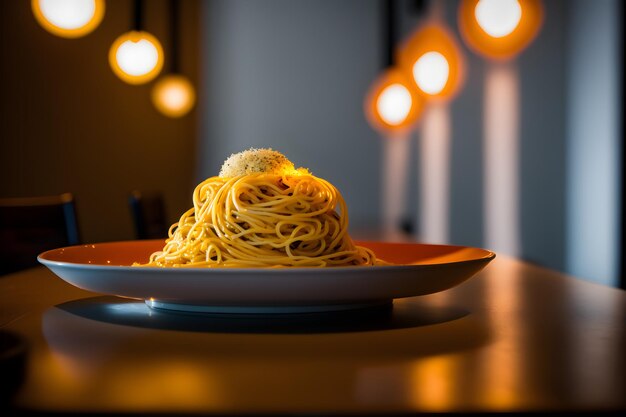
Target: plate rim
489,256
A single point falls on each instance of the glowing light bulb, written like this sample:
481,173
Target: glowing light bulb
68,18
498,17
391,106
136,57
173,95
394,104
431,72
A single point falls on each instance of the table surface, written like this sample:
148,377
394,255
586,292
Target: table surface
515,337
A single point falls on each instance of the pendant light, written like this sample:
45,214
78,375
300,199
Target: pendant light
68,18
500,30
136,57
173,94
433,61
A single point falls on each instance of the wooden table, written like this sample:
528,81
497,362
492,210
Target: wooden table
515,338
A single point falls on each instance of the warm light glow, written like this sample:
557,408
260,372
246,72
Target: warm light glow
499,29
433,61
136,57
431,72
173,95
434,174
68,18
68,14
501,156
394,104
395,167
432,382
498,17
391,104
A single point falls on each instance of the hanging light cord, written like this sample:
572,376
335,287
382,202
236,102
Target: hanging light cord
137,22
389,32
174,36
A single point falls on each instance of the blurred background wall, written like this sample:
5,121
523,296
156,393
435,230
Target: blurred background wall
68,124
594,146
293,74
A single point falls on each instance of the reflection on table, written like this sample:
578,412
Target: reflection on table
513,338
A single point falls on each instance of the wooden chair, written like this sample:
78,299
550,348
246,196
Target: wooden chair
29,226
148,213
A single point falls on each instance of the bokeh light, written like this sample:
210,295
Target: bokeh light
173,95
431,72
392,105
432,60
498,17
68,18
136,57
500,29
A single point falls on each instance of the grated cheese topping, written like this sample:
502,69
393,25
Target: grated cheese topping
263,160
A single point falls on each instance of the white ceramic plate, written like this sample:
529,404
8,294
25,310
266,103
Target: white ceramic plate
420,269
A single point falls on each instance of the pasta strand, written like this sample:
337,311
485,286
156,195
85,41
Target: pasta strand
263,220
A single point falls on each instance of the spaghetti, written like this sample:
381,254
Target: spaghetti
263,219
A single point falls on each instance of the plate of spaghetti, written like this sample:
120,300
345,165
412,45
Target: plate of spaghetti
264,237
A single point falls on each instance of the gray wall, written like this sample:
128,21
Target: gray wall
292,74
594,141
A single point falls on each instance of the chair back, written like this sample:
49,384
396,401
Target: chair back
29,226
148,213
